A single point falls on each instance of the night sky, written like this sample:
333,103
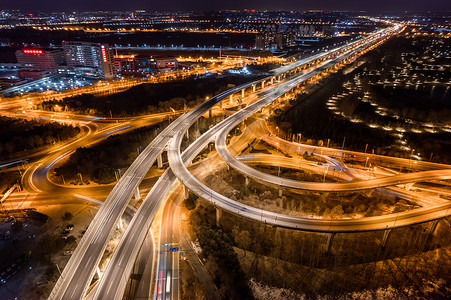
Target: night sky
174,5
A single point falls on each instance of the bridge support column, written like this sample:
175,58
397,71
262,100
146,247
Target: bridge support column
408,186
231,99
280,192
430,233
218,216
263,84
432,227
330,239
242,93
120,224
387,233
137,194
185,192
220,104
159,161
210,114
98,272
246,182
254,87
272,80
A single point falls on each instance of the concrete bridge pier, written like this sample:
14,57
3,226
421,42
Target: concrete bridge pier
246,182
263,84
231,99
385,238
210,114
160,161
408,186
254,87
218,216
432,227
430,232
330,239
220,104
272,80
120,224
242,93
185,192
280,192
137,194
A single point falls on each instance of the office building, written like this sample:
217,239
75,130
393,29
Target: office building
40,59
90,59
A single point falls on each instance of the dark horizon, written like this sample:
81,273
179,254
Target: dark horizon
203,5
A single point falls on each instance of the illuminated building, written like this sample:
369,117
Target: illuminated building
90,59
40,60
165,62
136,63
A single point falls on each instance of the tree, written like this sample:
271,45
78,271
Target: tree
67,216
49,244
242,238
70,240
336,211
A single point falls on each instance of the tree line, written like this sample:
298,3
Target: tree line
147,98
18,135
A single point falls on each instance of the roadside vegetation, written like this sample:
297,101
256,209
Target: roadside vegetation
221,260
7,179
18,135
282,262
147,98
326,205
100,163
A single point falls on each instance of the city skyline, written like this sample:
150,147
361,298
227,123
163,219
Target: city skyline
203,5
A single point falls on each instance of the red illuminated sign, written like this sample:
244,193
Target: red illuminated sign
32,51
104,54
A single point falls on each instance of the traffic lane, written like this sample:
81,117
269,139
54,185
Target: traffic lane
89,261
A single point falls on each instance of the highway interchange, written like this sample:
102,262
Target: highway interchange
112,283
76,276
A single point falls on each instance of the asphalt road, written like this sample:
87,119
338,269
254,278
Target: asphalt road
246,170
